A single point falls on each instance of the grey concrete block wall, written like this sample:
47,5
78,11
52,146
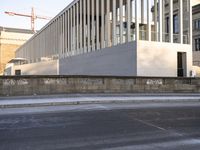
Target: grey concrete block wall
46,85
118,60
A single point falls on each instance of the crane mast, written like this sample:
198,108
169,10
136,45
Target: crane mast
32,16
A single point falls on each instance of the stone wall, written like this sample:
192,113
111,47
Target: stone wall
46,85
7,52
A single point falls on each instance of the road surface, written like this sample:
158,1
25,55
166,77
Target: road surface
156,126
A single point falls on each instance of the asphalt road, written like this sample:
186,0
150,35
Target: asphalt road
109,127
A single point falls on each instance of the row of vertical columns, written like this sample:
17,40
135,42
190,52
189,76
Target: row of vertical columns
78,29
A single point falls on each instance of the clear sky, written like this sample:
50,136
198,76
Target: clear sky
42,7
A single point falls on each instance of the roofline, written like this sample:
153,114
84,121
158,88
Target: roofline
18,30
196,9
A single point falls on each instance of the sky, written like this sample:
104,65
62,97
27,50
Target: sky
48,8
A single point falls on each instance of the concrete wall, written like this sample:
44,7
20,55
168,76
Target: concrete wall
196,58
196,35
160,59
41,68
119,60
43,85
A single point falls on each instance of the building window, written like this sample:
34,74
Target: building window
175,24
197,24
197,44
167,25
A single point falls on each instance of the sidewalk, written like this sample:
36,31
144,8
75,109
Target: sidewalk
75,99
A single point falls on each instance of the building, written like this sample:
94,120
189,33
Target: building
10,40
113,37
196,35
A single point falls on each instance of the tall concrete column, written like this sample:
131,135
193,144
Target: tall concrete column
60,38
128,31
181,21
107,29
81,27
71,31
114,23
163,21
160,20
137,21
84,26
65,33
68,32
155,20
190,22
171,35
61,42
142,11
54,38
121,20
88,25
149,19
102,24
93,26
97,23
77,28
74,34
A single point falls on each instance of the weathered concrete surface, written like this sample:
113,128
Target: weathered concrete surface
45,85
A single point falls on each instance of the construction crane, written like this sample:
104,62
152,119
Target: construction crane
32,16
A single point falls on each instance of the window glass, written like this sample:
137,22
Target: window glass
197,44
175,24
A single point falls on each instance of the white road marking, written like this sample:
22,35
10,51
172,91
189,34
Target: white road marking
150,124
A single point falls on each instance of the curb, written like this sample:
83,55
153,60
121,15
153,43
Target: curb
141,101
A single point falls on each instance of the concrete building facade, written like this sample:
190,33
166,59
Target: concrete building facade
114,37
196,35
10,40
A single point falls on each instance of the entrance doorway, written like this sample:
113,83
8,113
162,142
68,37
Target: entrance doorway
181,64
